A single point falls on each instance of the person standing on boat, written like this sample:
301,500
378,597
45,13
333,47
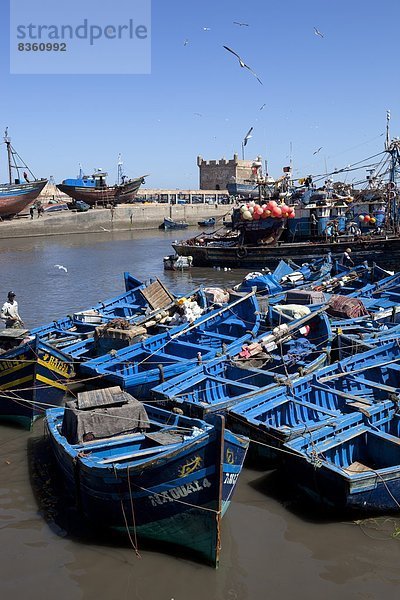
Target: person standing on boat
346,259
9,313
314,225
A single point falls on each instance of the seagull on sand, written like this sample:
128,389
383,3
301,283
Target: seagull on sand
62,268
243,64
317,32
316,152
103,228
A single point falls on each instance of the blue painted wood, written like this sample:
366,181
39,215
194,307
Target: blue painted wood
140,367
179,492
222,383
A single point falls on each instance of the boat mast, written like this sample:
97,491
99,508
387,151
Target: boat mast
393,148
7,141
119,171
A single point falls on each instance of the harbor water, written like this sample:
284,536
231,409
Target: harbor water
272,547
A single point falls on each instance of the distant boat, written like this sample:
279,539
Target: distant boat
207,222
150,474
173,262
94,189
15,196
171,224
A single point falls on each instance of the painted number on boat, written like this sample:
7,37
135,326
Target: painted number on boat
180,492
231,478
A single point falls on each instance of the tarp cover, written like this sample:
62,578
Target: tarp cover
345,307
85,425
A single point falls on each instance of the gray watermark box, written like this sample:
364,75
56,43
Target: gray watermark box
80,37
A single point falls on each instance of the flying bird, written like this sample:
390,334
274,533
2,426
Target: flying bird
198,114
243,64
62,268
261,107
185,43
247,136
206,28
240,24
316,152
317,32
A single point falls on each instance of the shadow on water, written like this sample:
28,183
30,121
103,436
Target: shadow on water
62,514
276,485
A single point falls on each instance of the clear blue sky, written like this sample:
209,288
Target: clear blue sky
331,92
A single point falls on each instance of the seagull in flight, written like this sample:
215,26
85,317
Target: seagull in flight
243,64
62,268
317,32
316,152
261,107
206,28
198,114
185,43
240,24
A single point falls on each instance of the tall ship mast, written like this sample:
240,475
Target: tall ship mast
17,194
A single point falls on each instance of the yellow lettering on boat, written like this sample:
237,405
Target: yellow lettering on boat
56,365
229,456
190,466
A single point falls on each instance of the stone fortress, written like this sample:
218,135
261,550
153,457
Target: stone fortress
216,174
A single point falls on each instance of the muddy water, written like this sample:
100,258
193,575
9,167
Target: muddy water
272,547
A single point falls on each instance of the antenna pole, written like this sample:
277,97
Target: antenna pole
387,142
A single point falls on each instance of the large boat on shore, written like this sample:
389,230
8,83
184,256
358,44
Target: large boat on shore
304,222
17,195
94,189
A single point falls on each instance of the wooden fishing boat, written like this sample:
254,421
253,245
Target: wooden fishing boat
354,467
309,403
17,195
207,222
312,223
283,354
150,474
33,376
95,191
171,224
142,366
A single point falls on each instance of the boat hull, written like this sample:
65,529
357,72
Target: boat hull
176,499
381,250
32,377
100,196
15,197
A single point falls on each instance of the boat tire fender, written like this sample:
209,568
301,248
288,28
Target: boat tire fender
241,252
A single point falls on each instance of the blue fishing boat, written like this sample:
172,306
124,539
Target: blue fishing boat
276,356
169,223
311,402
147,473
207,222
93,190
33,376
354,467
142,366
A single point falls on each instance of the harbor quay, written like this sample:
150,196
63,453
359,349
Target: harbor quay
123,217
